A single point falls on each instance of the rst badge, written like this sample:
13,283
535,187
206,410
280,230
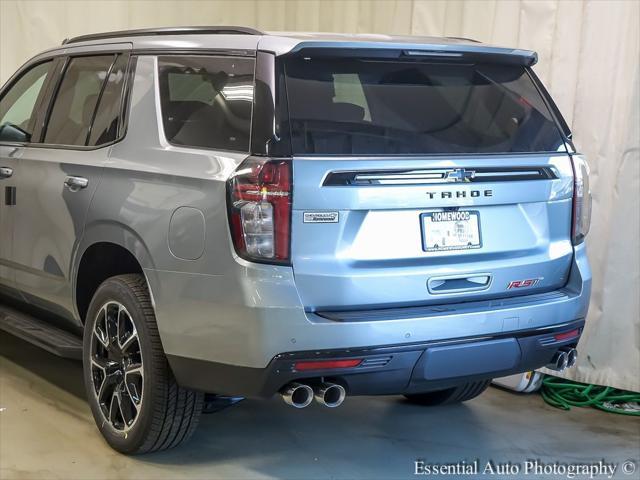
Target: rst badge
529,282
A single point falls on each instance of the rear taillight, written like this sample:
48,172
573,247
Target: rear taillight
260,209
581,220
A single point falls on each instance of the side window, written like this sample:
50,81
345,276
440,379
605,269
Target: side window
17,106
76,100
105,124
206,101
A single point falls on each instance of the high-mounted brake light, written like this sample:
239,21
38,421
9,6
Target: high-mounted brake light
581,219
260,209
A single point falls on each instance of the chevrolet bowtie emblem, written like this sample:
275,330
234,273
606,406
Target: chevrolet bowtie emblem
459,175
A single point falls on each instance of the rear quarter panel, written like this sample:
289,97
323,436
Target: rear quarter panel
146,181
201,300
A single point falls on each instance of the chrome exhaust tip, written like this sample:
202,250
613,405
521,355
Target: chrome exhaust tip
297,395
559,361
572,357
330,394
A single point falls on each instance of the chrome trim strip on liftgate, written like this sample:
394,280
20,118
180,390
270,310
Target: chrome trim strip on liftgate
439,175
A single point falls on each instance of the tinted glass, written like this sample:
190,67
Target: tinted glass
347,106
76,100
105,124
206,101
18,104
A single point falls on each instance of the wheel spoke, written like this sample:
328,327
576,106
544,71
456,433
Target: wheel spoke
112,322
101,389
129,341
101,330
117,321
133,381
134,395
134,369
108,384
115,408
99,377
128,408
100,363
126,331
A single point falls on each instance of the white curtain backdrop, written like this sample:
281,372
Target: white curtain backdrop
589,59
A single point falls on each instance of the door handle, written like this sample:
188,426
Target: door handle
75,184
459,283
5,172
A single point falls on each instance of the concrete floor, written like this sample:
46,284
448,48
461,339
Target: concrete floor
46,431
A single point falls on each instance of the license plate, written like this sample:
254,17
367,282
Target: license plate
450,230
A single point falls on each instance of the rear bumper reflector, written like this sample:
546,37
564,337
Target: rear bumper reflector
326,364
567,335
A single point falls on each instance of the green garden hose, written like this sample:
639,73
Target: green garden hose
564,394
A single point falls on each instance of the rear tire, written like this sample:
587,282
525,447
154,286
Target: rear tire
135,400
461,393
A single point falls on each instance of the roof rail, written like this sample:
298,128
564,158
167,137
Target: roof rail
217,30
464,38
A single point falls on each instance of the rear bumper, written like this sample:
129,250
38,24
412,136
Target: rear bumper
389,370
248,317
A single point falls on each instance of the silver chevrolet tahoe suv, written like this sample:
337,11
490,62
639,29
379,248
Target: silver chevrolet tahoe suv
208,213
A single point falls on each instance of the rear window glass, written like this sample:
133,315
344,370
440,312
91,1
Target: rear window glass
206,101
352,106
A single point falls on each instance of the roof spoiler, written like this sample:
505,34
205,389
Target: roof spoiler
462,53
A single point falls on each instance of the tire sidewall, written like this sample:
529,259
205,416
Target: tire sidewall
130,441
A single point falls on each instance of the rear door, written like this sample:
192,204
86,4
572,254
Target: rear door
59,175
422,182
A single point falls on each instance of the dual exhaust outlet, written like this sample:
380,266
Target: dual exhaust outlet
300,395
563,359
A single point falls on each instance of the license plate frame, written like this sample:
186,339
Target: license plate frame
424,225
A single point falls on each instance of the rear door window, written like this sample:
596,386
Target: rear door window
356,106
76,100
206,101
